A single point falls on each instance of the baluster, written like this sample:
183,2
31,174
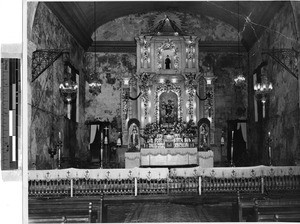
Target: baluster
238,184
225,187
294,182
80,186
118,184
252,184
221,185
95,188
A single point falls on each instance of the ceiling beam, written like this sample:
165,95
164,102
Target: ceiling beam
71,18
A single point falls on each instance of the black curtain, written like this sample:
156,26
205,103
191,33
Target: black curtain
240,157
95,146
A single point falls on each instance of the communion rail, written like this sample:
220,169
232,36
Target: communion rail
145,181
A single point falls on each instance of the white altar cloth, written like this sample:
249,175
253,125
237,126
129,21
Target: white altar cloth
168,156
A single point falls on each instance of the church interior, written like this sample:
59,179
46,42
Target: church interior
164,111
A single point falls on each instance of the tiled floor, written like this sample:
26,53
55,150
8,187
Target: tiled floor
168,212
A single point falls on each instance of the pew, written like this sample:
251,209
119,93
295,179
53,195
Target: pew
271,210
243,206
66,210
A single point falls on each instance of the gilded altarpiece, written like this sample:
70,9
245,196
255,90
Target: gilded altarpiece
165,86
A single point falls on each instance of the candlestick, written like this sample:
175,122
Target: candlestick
269,140
231,161
59,158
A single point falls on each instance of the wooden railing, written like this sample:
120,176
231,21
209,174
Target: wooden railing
141,181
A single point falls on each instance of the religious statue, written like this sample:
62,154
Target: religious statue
134,139
168,62
169,111
203,136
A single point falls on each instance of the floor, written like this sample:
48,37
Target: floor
168,212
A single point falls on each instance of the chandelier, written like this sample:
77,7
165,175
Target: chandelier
95,83
240,79
68,88
263,88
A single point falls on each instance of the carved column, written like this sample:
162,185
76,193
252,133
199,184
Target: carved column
134,103
209,103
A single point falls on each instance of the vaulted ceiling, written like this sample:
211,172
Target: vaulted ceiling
250,16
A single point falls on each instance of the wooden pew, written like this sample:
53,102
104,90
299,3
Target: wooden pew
60,213
244,206
66,210
271,210
287,217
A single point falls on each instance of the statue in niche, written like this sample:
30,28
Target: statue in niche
169,111
168,107
204,131
134,139
168,62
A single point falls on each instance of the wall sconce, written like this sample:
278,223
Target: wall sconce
68,88
262,89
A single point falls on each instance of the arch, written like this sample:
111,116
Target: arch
134,134
133,121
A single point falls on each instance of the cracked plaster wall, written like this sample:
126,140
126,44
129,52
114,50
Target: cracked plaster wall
47,111
282,107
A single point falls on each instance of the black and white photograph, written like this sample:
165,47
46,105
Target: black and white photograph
151,112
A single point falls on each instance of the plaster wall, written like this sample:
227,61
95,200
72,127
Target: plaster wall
128,27
47,110
282,107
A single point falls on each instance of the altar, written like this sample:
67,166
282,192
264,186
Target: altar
169,157
153,157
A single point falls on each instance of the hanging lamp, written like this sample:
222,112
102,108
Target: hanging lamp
95,83
239,79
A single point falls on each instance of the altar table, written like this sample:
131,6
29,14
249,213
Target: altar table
168,157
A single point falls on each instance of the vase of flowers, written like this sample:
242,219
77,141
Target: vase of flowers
190,131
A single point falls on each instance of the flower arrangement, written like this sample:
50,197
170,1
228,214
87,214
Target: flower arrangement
185,129
190,130
150,131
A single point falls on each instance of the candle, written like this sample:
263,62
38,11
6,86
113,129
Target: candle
232,134
59,135
269,133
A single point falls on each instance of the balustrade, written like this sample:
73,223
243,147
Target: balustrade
141,181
